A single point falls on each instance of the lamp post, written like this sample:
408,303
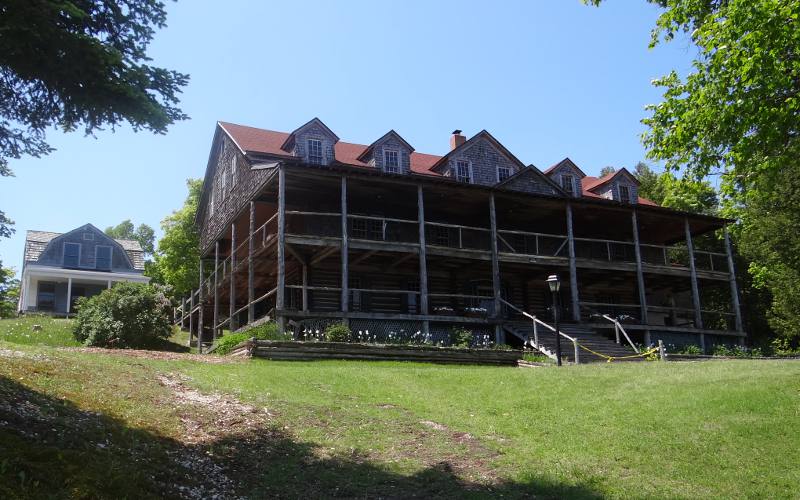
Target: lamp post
555,286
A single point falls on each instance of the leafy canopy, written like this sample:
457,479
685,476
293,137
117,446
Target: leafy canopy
9,292
178,253
143,234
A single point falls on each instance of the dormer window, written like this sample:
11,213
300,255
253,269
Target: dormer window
624,194
391,161
88,236
315,151
568,183
503,173
463,171
72,254
102,258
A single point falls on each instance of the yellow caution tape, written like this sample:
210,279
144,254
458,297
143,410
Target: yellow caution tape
609,359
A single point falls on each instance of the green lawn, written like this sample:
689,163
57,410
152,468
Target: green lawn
54,332
723,429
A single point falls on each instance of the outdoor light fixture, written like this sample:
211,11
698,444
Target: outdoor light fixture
555,286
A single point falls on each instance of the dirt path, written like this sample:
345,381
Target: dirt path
161,355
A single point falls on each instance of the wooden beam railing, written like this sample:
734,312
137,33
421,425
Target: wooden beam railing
440,234
534,323
617,329
366,227
531,243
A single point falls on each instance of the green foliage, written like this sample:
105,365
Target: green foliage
460,337
126,315
535,357
338,332
268,331
683,194
6,229
175,260
226,344
692,349
9,292
143,234
607,170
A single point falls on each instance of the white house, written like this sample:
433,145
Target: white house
58,268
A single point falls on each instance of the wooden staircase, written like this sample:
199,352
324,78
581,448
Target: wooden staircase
583,334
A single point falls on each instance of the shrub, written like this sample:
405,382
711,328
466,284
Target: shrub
268,331
460,337
228,342
338,332
692,349
127,315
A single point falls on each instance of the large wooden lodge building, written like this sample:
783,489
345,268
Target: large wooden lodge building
307,229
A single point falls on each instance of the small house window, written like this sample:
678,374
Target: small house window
72,254
463,171
224,182
46,297
233,171
624,194
88,236
568,183
391,161
102,258
315,151
503,173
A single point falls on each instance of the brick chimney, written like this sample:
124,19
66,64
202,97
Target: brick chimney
456,139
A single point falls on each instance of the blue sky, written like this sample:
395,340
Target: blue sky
549,79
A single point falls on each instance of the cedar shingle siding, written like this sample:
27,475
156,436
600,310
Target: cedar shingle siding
47,248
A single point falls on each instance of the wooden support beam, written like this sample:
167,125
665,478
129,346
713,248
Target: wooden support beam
216,292
573,272
232,306
495,267
698,316
280,296
737,311
640,274
305,288
251,308
200,311
183,312
364,256
292,250
401,260
323,255
345,274
423,259
191,316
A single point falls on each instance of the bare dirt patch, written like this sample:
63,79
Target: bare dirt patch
160,355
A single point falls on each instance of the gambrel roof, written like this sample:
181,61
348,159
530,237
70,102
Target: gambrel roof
36,242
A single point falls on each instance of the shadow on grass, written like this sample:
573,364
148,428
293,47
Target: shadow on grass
51,448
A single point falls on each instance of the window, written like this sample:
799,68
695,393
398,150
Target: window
72,254
463,171
224,182
624,194
391,161
102,258
503,173
46,297
315,151
233,171
211,204
88,236
568,183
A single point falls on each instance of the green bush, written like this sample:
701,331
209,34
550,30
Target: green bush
692,349
460,337
338,332
268,331
126,315
228,342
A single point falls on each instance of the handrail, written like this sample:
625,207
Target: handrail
536,333
618,328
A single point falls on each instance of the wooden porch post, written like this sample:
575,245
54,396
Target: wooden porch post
573,271
737,311
232,306
183,312
250,269
216,292
498,332
280,295
698,315
191,316
305,287
69,295
345,274
640,275
200,311
423,263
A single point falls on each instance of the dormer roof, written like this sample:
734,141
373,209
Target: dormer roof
483,134
595,183
287,144
368,151
565,161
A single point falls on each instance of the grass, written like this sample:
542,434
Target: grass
720,429
54,331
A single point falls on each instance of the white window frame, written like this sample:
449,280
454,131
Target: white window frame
224,182
211,203
64,253
504,167
233,171
398,168
88,236
469,167
571,184
321,151
110,257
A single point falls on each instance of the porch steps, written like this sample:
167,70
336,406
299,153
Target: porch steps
585,336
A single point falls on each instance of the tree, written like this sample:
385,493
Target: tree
79,64
9,292
684,194
736,115
178,253
607,170
144,234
